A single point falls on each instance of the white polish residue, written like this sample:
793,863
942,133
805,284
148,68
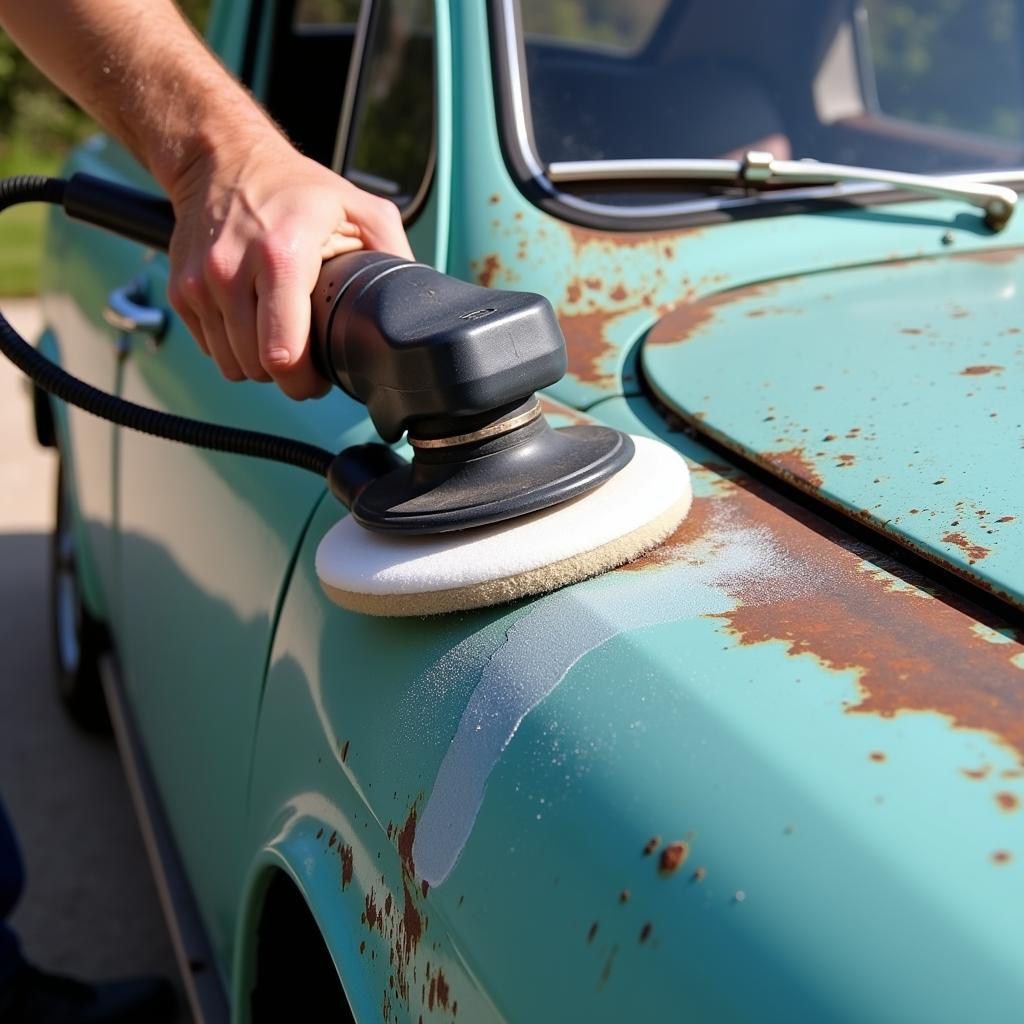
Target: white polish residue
541,648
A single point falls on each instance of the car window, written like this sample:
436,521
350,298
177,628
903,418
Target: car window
955,64
391,144
610,24
308,45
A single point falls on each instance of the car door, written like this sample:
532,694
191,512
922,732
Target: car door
81,269
205,545
206,539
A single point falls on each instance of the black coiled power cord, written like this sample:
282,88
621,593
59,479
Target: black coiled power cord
149,220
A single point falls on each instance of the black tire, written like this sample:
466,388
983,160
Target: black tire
77,639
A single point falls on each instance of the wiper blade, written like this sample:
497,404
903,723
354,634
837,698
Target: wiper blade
762,170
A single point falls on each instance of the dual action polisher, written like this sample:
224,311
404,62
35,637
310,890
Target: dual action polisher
494,504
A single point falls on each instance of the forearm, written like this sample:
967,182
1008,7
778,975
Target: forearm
254,218
140,70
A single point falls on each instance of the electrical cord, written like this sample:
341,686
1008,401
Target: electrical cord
61,384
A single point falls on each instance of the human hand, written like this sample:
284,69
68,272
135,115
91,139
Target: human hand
255,221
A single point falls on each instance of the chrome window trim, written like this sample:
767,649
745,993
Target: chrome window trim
415,203
529,173
355,67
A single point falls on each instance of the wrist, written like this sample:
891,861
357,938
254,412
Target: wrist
212,147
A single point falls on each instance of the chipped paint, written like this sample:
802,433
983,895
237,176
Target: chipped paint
887,377
684,320
795,465
921,667
673,857
980,371
757,568
974,552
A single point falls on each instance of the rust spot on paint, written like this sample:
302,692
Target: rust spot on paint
977,774
651,845
876,755
591,933
1007,801
624,896
387,906
1006,519
700,874
346,866
573,292
333,839
442,989
911,330
606,971
618,293
373,917
673,857
320,833
412,924
978,371
904,652
793,463
344,752
424,888
406,838
495,199
587,346
1002,857
645,932
609,242
488,269
974,552
843,461
684,321
997,256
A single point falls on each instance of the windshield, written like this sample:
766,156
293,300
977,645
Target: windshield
929,86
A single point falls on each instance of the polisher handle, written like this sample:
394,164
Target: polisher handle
422,349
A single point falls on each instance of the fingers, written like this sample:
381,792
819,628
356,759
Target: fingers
380,225
234,297
244,266
283,287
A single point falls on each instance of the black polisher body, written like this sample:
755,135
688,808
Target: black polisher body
455,365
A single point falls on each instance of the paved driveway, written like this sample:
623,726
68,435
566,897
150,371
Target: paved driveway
90,907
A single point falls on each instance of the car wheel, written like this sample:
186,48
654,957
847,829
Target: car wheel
78,639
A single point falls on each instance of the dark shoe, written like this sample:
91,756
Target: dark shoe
34,997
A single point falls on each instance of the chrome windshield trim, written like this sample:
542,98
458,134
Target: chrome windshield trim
643,170
760,168
546,179
714,204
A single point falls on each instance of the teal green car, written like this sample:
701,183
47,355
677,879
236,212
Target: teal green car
771,771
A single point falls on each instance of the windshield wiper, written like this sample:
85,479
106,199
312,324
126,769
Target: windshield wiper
761,170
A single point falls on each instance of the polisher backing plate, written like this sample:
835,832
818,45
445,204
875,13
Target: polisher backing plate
391,575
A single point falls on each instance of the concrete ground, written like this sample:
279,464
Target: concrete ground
90,907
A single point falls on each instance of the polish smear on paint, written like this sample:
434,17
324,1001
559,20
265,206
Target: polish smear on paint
541,647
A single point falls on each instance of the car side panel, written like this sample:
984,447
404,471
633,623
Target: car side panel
80,268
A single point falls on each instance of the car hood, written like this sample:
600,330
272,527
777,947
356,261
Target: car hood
890,391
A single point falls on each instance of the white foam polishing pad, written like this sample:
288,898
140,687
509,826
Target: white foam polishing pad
395,574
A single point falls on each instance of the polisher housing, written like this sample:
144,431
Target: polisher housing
456,366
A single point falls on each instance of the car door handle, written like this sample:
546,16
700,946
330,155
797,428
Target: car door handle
128,311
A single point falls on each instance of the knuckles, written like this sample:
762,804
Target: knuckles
277,255
220,267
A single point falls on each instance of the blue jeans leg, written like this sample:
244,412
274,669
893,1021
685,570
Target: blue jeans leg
12,879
